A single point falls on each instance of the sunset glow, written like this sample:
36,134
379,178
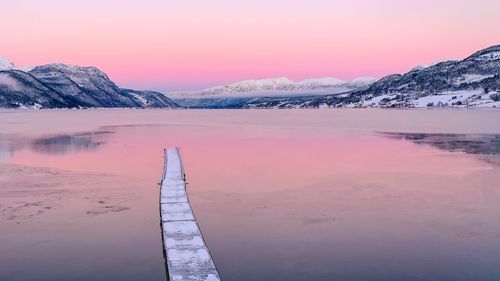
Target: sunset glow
171,45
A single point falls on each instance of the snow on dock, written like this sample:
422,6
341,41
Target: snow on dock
186,254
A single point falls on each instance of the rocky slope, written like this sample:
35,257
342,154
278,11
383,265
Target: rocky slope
70,86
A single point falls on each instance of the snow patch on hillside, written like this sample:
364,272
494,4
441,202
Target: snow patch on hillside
457,98
471,78
140,98
465,98
490,56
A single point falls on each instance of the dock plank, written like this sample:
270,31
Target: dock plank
187,256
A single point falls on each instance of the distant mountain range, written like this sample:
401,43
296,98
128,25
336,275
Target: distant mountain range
472,82
69,86
235,94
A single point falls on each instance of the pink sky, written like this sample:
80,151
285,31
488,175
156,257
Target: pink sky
188,44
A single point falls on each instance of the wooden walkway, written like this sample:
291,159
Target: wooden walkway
186,254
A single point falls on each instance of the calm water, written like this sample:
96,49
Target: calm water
279,194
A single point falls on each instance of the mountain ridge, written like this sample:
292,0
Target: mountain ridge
235,94
275,84
60,85
471,82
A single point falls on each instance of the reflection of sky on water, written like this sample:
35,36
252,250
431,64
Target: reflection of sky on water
5,150
468,143
88,141
54,144
274,203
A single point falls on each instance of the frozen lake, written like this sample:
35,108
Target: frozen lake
292,195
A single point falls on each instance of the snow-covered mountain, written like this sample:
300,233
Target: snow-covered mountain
472,82
69,86
281,86
234,94
5,64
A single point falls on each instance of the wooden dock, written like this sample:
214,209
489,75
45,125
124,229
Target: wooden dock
187,257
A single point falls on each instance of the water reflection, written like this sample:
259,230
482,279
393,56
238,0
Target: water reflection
468,143
54,144
293,198
5,150
64,144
